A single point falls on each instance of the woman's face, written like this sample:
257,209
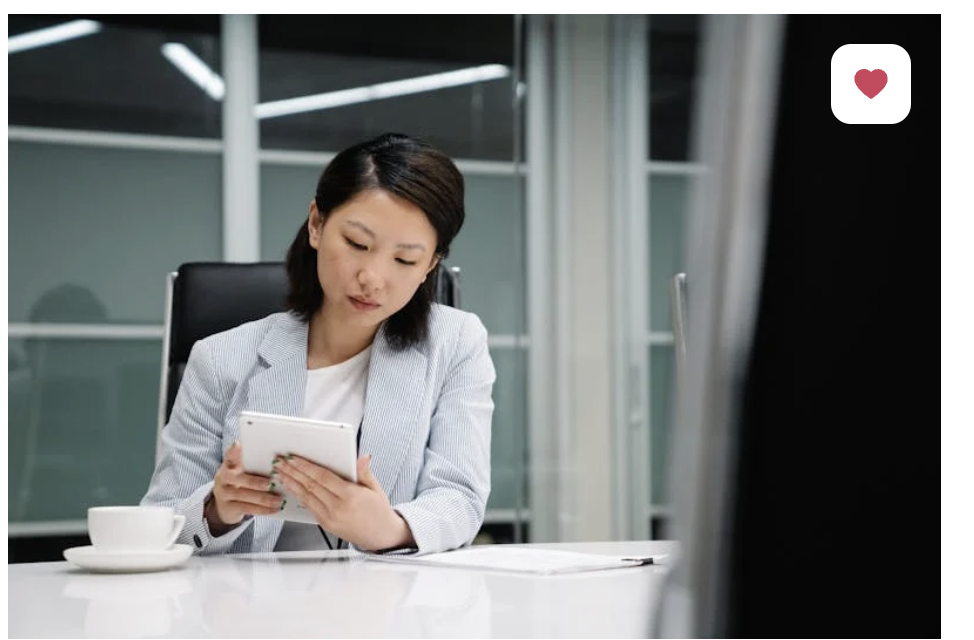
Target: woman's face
373,253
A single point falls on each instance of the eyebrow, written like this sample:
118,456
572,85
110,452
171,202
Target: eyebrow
367,231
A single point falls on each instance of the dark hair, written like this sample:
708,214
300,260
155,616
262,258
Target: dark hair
403,166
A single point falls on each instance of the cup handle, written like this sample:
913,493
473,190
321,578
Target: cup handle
177,527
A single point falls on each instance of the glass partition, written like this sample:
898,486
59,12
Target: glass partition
115,177
115,166
673,51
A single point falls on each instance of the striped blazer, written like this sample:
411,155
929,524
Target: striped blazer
427,420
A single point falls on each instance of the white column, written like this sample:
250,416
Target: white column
591,304
241,141
632,459
563,278
544,468
574,426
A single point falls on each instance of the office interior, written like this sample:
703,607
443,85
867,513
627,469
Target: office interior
143,142
121,157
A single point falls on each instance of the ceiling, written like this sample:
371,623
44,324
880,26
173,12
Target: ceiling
119,81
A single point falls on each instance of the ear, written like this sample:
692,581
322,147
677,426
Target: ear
314,225
433,263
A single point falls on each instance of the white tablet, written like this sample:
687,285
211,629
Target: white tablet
330,444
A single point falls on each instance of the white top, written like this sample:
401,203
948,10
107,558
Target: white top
337,394
324,594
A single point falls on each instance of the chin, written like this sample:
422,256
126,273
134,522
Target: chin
370,319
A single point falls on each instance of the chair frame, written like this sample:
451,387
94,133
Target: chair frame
678,294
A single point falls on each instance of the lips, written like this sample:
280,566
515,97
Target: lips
362,304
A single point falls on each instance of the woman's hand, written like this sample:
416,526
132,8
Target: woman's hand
357,512
237,494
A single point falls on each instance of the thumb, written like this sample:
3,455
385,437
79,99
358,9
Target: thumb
365,472
234,455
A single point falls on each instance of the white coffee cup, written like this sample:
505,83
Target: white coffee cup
133,528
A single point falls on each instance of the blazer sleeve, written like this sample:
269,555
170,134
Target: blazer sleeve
454,483
192,451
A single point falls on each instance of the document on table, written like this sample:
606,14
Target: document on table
521,560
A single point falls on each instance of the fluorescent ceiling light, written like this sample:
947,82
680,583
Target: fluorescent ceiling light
52,35
194,69
211,82
383,90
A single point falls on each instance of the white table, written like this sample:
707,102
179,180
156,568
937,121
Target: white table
327,594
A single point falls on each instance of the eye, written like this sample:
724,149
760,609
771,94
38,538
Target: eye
355,245
408,263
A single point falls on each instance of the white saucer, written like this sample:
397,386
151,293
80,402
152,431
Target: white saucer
127,561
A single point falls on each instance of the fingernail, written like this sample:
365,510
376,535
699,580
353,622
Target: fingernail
288,456
271,488
275,461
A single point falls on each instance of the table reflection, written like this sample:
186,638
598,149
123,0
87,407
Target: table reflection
129,606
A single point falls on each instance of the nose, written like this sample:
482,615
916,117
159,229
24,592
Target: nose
370,280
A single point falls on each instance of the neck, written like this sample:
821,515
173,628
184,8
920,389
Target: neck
331,342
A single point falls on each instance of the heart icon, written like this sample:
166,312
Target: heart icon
871,82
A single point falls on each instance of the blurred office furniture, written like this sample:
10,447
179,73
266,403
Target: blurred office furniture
678,297
733,133
802,479
204,298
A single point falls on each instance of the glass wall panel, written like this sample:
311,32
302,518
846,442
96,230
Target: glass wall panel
82,425
117,77
661,419
667,212
467,114
673,44
508,480
673,57
94,230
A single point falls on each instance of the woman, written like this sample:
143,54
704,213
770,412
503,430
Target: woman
361,343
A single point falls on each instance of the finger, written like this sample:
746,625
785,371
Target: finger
234,457
251,481
299,483
319,502
249,496
307,472
365,476
250,508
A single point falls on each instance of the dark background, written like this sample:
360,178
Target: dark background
839,471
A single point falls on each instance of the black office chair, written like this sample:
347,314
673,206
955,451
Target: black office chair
203,298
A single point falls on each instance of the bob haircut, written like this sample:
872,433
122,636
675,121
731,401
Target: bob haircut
403,166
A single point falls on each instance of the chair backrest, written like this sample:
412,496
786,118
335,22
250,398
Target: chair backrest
203,298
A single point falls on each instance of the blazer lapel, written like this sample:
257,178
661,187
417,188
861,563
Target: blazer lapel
280,384
392,398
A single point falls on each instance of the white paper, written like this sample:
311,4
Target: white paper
520,560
